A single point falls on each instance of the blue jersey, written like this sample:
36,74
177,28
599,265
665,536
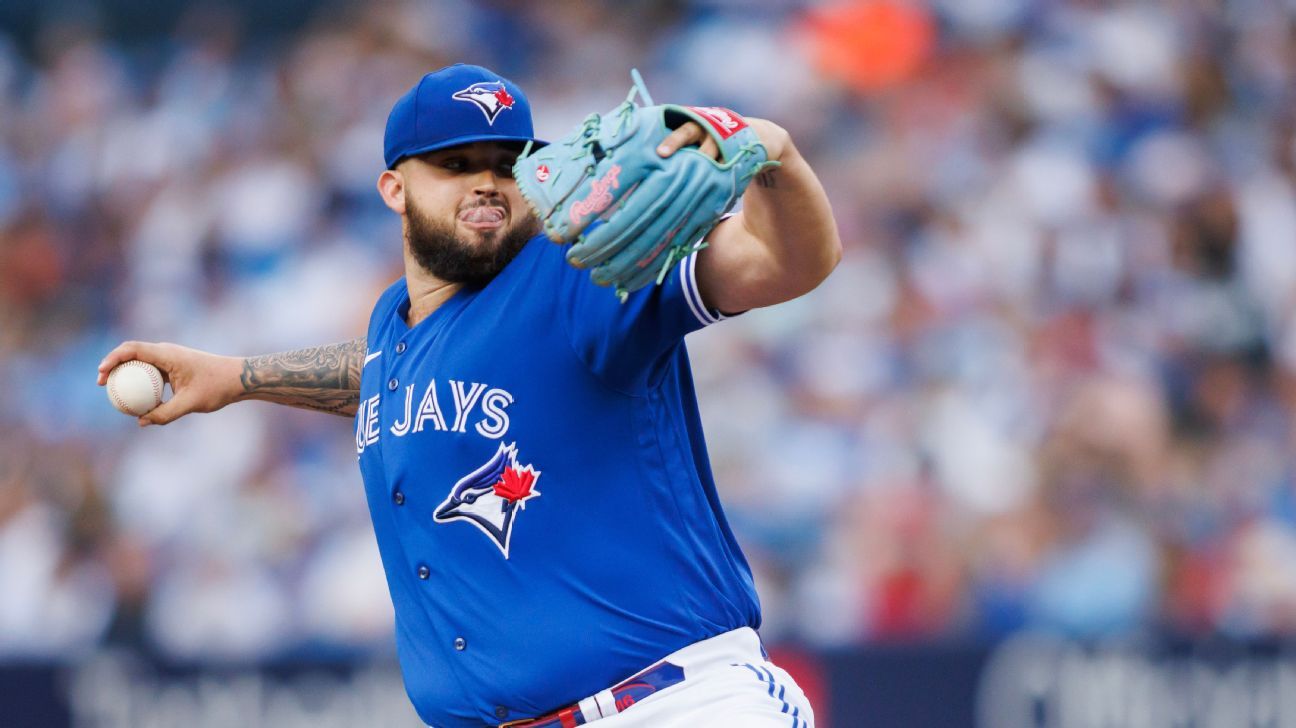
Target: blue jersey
534,465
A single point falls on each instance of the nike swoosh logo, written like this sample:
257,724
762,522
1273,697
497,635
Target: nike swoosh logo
371,357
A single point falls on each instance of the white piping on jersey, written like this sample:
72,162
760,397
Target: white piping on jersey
371,357
688,280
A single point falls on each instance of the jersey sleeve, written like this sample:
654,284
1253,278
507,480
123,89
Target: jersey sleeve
628,344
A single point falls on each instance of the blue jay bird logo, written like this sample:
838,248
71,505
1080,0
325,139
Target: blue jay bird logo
489,96
491,496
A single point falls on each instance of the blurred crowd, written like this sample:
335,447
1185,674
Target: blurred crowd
1050,385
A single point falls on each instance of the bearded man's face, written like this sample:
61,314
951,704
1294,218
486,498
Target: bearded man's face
470,258
464,217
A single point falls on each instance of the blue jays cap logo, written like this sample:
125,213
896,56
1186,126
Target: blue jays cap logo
491,496
489,96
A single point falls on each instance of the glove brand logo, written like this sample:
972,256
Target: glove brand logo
542,173
491,496
599,196
491,97
725,122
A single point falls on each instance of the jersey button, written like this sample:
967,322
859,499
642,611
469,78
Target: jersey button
399,498
461,644
501,712
393,384
400,347
424,572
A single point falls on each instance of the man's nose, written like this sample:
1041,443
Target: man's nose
486,183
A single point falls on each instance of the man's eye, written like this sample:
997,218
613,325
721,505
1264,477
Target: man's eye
453,164
505,170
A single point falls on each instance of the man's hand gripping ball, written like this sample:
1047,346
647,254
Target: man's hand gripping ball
651,211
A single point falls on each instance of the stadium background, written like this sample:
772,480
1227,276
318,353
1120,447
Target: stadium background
1026,459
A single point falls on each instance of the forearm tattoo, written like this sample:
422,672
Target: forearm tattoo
324,378
765,179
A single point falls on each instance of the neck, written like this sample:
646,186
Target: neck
426,291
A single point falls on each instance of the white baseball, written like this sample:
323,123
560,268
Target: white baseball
135,387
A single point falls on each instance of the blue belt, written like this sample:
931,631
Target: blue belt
624,694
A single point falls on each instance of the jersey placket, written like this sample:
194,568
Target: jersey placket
409,347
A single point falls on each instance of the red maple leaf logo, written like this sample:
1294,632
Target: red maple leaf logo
514,484
504,98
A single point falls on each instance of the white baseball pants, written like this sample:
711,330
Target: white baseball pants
727,682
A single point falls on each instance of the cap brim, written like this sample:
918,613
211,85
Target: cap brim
468,139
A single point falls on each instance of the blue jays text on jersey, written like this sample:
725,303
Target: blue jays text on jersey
428,412
540,490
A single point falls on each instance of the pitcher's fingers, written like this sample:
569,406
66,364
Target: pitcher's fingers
709,148
167,412
144,351
688,134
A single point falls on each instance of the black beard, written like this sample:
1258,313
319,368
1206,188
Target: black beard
448,256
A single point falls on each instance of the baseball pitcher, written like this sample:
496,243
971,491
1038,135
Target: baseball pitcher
525,419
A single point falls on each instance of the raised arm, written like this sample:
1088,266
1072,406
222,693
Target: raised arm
323,378
782,244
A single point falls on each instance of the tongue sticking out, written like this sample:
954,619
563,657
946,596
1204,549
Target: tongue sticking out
485,214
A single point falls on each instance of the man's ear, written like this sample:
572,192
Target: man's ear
391,185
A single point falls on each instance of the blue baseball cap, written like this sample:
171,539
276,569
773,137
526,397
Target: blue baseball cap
455,105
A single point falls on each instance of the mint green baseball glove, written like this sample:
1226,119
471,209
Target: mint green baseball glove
631,213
